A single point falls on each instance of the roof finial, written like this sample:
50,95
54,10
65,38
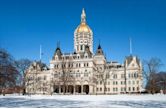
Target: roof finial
83,16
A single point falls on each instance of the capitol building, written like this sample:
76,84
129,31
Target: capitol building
84,71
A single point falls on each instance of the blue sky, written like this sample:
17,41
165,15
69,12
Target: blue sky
25,24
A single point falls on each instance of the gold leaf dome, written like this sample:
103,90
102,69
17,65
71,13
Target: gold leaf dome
83,27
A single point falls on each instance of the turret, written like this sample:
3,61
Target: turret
57,54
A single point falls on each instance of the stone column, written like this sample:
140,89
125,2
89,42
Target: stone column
59,89
91,89
82,89
74,92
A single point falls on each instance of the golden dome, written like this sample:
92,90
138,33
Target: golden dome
83,27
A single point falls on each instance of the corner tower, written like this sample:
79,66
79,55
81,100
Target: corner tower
83,35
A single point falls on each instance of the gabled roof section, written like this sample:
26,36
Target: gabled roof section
130,58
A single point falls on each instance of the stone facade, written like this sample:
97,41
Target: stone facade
84,72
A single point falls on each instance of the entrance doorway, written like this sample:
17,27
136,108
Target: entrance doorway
78,88
56,89
86,89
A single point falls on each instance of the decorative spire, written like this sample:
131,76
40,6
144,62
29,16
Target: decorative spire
83,16
99,50
99,47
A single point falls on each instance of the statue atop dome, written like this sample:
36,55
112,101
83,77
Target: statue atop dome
83,16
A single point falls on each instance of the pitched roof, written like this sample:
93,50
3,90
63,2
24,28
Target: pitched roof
129,59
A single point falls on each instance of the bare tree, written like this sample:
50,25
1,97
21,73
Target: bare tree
103,74
151,67
66,78
160,82
22,65
8,71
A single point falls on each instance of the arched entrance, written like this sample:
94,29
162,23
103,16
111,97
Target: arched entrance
56,89
86,89
71,89
78,88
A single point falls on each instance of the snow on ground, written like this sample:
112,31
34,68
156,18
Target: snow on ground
83,101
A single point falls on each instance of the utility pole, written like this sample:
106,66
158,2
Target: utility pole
40,52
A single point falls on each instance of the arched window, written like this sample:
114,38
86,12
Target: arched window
81,47
133,88
129,89
100,82
100,89
116,82
135,75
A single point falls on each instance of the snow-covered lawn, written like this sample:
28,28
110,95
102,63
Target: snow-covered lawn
83,101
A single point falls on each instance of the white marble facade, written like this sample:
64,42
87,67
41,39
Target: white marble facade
84,72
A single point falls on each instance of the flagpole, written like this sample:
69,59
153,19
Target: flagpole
130,46
40,52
